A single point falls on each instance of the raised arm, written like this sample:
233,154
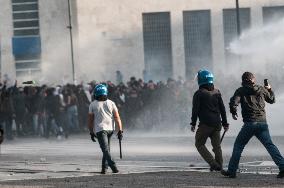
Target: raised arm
269,95
117,119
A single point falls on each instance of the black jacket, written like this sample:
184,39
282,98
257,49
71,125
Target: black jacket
52,104
252,99
208,106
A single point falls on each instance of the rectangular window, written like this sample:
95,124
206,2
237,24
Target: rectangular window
157,45
23,46
19,24
197,41
230,28
28,65
26,41
26,32
25,15
23,1
272,13
28,57
25,7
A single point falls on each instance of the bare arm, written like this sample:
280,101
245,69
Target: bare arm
117,120
91,119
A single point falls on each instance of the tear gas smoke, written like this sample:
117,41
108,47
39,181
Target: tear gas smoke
263,44
260,50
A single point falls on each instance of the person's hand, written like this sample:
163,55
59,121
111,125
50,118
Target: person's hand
235,116
226,128
120,135
192,128
93,136
268,87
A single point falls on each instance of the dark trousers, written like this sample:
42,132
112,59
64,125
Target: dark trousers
7,120
203,133
260,130
49,124
104,141
20,121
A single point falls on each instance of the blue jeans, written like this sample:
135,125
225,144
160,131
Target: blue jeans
72,113
104,141
260,130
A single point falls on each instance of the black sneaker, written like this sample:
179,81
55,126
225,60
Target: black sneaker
228,174
104,170
281,174
215,168
114,169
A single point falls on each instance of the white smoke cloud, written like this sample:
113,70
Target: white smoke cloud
262,44
261,50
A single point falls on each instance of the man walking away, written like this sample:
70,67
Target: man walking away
103,114
252,98
209,108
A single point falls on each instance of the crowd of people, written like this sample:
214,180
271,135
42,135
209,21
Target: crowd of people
42,110
45,111
33,110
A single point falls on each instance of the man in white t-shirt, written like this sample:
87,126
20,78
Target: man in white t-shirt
103,116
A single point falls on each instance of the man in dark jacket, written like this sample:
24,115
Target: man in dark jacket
252,98
7,111
20,111
52,109
208,106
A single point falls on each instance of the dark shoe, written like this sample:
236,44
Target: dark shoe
281,174
114,169
228,174
215,168
104,170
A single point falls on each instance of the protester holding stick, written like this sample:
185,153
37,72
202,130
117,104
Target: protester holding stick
209,108
103,116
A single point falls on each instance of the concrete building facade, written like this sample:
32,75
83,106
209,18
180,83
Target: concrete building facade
153,39
35,40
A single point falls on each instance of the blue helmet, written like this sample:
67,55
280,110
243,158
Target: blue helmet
204,77
100,90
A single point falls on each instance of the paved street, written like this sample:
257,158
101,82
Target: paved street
163,156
